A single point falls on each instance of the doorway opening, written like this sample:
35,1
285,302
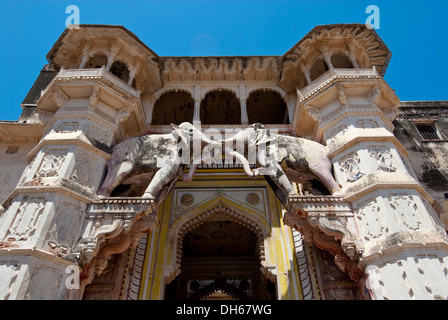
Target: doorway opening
221,261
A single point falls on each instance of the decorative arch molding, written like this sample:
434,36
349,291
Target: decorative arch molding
229,213
220,106
172,105
235,91
159,93
325,224
114,53
267,105
281,92
181,228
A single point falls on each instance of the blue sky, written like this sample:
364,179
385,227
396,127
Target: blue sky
415,32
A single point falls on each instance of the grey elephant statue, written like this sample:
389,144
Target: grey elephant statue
158,158
299,157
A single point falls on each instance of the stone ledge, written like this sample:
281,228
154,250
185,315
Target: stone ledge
401,241
383,180
357,136
121,206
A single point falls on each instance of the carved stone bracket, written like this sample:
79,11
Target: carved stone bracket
111,226
322,220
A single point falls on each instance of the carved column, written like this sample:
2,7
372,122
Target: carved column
327,58
45,215
243,100
111,56
197,104
306,72
85,55
393,234
351,56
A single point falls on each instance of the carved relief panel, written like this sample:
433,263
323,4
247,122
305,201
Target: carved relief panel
406,211
75,127
369,216
51,163
45,283
27,219
65,227
87,169
348,168
336,133
101,135
383,158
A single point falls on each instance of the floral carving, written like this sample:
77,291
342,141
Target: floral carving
187,199
252,198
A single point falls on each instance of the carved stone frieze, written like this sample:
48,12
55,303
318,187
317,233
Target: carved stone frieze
111,226
323,221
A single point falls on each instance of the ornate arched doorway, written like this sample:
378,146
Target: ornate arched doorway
220,259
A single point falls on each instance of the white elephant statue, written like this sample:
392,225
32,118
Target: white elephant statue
274,152
154,157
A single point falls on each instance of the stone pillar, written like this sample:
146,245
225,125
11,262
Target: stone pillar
243,100
306,72
45,213
351,56
44,216
85,56
327,58
385,232
197,104
111,56
401,243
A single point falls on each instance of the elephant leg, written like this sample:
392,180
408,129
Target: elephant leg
163,176
282,180
115,176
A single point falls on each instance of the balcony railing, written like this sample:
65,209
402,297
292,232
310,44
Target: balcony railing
95,73
327,76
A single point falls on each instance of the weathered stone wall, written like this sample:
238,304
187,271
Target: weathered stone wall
427,157
12,163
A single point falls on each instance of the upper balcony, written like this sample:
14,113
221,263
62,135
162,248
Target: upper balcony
100,75
117,49
329,77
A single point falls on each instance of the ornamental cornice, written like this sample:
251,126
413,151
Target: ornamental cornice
21,252
89,115
96,75
82,143
383,180
305,98
401,242
111,225
61,186
323,220
358,135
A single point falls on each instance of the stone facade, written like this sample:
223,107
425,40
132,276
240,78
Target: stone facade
344,197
